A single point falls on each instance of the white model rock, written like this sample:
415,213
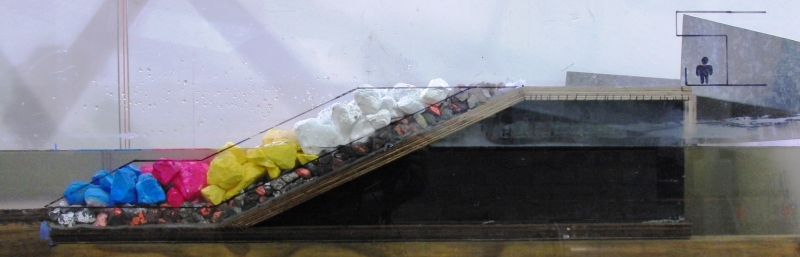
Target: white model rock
409,105
324,116
361,129
389,104
313,135
368,100
437,90
372,109
380,119
345,115
403,90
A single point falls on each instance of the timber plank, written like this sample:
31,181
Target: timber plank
696,246
566,231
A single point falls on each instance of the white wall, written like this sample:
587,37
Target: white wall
58,74
216,71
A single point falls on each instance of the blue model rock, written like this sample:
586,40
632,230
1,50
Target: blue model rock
103,179
123,187
149,191
97,197
75,191
133,168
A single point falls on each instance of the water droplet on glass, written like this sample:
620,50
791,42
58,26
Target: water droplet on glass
184,101
185,82
140,69
97,107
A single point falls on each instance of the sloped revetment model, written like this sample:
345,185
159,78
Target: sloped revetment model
497,104
232,227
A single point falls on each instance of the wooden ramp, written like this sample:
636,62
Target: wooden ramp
392,233
360,167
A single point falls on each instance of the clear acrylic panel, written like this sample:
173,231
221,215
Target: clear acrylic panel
646,114
59,75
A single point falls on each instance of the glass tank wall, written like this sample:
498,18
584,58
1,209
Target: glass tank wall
92,85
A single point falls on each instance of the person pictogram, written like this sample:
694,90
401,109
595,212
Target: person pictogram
704,70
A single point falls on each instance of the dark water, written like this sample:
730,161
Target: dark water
507,186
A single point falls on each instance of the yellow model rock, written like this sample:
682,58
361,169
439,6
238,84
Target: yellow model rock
281,153
304,158
272,170
277,135
224,171
252,173
237,151
213,194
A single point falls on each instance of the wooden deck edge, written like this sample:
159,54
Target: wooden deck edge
607,93
567,231
610,89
